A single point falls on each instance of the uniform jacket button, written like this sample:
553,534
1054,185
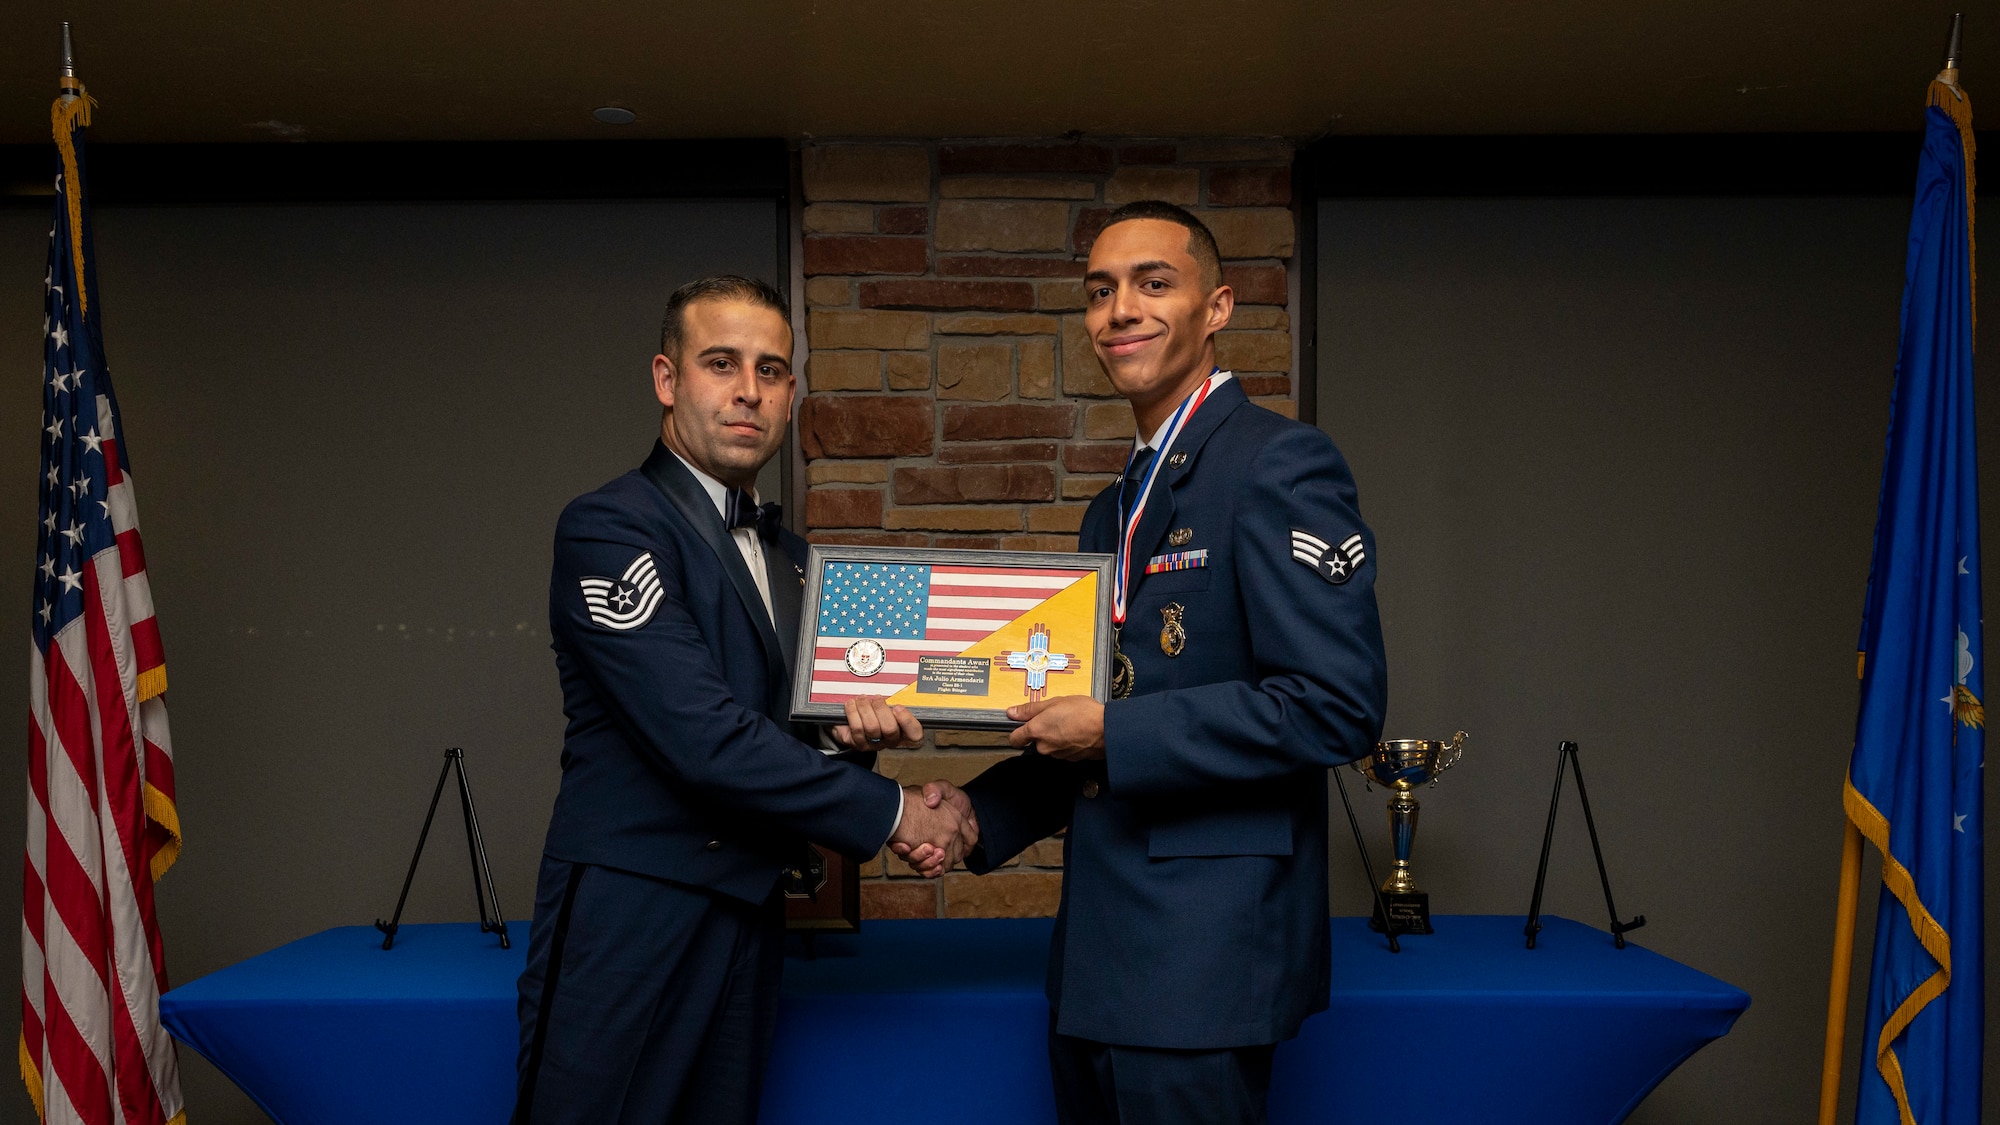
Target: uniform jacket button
1090,788
715,845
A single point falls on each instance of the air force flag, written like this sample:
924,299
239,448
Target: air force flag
1915,783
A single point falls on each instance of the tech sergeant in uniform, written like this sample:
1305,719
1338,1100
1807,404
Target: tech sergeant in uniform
1192,935
656,947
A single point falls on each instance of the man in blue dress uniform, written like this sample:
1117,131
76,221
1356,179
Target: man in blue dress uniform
657,942
1192,936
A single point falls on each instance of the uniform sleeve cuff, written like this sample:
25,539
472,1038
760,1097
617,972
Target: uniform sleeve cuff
896,823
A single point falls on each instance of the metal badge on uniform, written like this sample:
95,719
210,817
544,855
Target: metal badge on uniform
1178,459
1179,536
1335,564
1173,635
628,601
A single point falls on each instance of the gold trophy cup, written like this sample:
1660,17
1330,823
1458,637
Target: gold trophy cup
1400,765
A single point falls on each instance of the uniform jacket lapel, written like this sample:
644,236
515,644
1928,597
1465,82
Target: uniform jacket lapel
1160,506
784,567
685,493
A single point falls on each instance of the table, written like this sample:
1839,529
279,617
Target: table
1464,1024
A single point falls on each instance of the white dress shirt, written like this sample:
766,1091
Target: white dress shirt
1154,441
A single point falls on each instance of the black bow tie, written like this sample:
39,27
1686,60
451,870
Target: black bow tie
742,511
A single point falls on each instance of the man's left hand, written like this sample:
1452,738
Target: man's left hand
1070,727
874,725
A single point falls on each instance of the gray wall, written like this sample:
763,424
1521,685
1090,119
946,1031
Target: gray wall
351,430
1622,457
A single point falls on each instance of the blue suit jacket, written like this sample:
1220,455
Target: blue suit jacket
679,761
1194,905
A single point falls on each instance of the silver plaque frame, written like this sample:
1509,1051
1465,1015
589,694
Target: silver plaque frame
947,718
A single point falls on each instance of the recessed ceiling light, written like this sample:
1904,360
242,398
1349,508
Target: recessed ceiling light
614,115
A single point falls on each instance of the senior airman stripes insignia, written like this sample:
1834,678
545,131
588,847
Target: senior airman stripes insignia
1335,564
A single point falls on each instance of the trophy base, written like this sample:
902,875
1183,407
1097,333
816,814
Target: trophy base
1411,910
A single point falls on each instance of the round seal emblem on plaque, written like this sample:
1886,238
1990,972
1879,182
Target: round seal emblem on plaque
864,658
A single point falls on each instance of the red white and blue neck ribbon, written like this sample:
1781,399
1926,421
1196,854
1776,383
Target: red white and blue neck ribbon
1121,581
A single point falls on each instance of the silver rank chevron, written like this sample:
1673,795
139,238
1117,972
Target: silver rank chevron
628,601
1336,564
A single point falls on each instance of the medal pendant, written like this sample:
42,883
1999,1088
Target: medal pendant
1173,635
1122,673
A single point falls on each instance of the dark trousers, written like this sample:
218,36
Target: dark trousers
644,1001
1105,1084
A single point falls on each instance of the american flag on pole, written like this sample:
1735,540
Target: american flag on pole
878,620
101,820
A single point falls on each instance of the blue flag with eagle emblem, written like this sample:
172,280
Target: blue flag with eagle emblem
1913,785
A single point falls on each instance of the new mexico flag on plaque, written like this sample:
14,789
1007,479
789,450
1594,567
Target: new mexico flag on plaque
1056,635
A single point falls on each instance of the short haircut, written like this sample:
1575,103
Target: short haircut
722,287
1201,241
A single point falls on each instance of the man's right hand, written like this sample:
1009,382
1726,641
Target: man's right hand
924,856
931,837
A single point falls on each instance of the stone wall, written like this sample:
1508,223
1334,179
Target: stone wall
954,400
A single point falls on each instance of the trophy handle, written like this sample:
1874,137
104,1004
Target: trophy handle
1453,751
1356,766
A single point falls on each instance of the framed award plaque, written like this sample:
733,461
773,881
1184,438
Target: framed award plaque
956,636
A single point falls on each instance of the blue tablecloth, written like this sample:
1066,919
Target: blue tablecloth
888,1025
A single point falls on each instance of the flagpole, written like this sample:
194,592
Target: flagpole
1843,962
1949,76
71,88
1952,100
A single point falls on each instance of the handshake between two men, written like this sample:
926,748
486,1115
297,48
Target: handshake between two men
937,827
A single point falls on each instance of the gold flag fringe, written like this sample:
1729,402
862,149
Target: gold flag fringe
67,115
1948,97
152,682
1929,933
160,808
31,1073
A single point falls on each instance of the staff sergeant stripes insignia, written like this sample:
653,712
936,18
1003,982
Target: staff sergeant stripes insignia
628,601
1336,564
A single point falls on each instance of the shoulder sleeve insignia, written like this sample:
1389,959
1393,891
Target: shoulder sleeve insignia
1335,564
628,601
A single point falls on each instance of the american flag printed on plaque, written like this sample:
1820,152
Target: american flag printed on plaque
877,621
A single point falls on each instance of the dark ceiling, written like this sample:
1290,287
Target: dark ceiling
230,70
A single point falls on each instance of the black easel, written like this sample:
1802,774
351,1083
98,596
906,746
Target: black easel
1566,757
482,871
1367,868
